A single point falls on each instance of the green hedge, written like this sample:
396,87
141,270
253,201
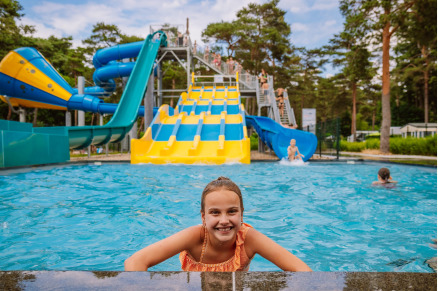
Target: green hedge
413,146
397,145
346,146
254,141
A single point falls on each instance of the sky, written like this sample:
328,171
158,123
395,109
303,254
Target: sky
313,22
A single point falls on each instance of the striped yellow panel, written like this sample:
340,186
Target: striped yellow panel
234,118
205,153
221,102
170,119
190,119
219,95
233,95
15,66
206,102
212,119
187,102
207,95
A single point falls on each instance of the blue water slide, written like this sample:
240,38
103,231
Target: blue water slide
277,137
117,52
127,109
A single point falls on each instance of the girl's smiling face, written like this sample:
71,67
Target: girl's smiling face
223,215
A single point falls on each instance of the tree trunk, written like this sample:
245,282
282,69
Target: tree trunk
35,116
9,113
426,84
353,114
386,91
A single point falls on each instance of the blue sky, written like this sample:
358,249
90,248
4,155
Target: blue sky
313,22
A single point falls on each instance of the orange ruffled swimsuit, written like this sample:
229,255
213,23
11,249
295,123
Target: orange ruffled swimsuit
238,262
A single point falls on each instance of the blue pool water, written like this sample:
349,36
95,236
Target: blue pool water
91,217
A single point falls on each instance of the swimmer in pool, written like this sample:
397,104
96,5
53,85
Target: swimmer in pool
384,177
292,151
223,243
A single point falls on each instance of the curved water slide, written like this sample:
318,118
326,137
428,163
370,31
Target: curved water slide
28,79
277,137
45,88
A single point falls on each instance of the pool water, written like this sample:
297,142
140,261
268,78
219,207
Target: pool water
92,217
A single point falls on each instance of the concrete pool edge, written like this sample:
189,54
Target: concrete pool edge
101,162
114,280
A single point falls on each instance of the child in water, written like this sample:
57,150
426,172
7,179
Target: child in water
223,243
293,152
384,177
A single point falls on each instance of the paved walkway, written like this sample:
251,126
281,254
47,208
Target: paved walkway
267,156
386,157
255,156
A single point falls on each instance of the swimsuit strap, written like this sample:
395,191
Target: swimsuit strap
204,245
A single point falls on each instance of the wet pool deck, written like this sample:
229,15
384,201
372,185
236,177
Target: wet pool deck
85,280
270,156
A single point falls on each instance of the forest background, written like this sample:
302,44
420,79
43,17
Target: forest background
385,60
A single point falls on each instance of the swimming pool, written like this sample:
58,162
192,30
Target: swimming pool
92,217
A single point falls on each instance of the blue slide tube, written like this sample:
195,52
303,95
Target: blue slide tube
277,137
127,109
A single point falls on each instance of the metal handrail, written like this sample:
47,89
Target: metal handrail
289,109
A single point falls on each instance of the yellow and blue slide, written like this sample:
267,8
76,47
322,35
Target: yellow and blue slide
27,77
208,126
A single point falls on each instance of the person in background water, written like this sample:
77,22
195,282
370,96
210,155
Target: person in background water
223,243
384,177
292,151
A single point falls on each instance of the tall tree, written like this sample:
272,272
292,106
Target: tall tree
103,35
416,58
223,33
259,37
11,34
381,19
354,58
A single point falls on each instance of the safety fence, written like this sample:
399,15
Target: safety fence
329,137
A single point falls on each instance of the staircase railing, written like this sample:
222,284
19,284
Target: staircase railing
289,110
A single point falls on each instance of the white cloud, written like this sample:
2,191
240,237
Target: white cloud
304,6
299,27
133,17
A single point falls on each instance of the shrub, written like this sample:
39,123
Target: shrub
397,145
352,146
372,144
413,146
254,141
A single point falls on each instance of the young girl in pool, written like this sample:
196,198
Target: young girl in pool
223,243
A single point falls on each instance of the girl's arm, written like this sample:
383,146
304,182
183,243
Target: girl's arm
163,249
258,243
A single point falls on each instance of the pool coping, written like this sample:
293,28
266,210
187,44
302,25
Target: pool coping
103,161
114,280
